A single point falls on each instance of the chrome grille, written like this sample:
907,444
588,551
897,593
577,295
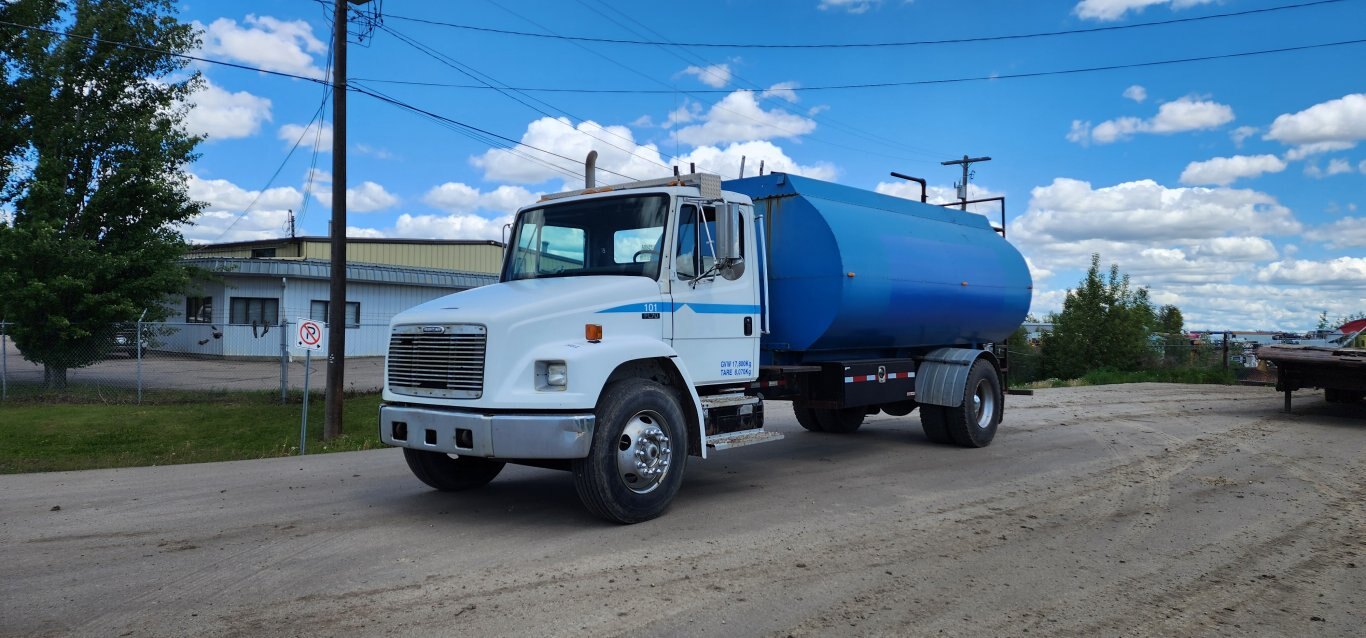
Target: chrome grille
437,360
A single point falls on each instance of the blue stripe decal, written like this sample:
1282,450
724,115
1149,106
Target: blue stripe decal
722,309
699,308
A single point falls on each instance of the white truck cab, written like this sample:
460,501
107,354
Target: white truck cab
615,306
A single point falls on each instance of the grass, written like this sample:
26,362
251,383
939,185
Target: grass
1217,376
82,433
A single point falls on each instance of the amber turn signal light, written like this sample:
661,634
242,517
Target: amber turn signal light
592,332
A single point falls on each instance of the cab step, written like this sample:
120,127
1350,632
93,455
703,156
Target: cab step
742,438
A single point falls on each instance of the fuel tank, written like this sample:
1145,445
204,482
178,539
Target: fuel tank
853,273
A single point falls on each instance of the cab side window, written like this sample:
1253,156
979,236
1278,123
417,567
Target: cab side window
697,241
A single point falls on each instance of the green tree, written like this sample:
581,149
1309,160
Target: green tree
96,185
1170,321
1104,323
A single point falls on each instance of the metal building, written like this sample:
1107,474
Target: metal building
249,292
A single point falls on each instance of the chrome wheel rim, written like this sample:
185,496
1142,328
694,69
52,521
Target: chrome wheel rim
644,452
984,404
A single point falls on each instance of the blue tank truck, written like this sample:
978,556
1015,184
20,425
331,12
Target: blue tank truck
637,325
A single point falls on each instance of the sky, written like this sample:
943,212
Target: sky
1231,187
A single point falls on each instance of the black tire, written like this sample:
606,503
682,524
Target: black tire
1333,395
640,449
932,419
974,422
846,421
806,417
451,473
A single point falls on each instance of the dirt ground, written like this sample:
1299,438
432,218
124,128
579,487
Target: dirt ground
1132,510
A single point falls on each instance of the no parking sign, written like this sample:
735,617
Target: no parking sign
309,335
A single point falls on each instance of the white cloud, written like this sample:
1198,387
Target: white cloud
1338,166
618,155
368,197
739,118
307,136
1349,272
1223,171
1071,210
726,162
450,226
783,90
716,75
1308,150
1240,134
373,151
458,198
1108,10
221,194
220,114
1348,232
1136,93
937,194
1236,248
223,218
850,6
287,46
1188,113
1340,122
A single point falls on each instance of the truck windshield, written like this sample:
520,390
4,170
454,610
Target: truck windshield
608,236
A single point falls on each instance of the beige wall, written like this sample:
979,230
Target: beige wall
482,258
466,257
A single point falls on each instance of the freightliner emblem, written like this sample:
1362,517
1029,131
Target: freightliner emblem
431,329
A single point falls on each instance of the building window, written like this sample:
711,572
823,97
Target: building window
254,311
262,253
199,309
317,311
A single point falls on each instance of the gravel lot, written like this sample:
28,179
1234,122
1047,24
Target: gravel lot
1117,510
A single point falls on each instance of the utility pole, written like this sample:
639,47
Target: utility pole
963,187
336,299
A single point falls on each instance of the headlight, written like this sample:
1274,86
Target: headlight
557,374
552,376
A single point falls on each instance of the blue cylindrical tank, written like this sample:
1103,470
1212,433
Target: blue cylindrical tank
853,273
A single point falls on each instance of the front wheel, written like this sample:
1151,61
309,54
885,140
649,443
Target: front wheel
640,447
451,473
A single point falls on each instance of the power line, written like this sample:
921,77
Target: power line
755,86
866,45
884,85
183,56
318,118
409,107
491,83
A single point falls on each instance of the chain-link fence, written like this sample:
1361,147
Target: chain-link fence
149,360
1240,358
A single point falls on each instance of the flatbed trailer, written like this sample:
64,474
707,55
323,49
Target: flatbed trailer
1340,372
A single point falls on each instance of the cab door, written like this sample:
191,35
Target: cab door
715,320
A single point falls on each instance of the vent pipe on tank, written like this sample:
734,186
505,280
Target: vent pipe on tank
590,167
923,197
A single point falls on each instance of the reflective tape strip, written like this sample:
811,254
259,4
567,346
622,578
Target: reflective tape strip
768,384
865,378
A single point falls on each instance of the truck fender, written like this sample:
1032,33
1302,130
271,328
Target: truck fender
632,349
942,377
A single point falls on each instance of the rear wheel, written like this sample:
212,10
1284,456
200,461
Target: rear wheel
844,421
932,421
806,417
640,447
973,423
451,473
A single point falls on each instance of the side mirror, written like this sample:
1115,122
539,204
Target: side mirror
728,248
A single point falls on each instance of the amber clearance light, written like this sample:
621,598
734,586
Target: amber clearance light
592,332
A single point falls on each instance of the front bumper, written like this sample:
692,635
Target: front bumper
505,436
